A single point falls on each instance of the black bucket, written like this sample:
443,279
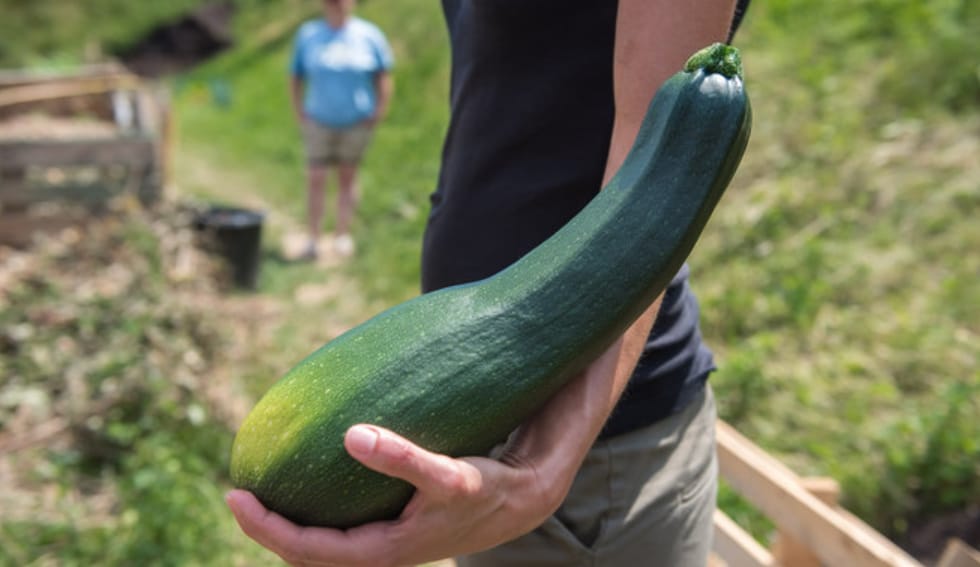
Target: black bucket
236,234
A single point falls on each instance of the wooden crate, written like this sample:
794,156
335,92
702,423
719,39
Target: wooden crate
26,168
126,152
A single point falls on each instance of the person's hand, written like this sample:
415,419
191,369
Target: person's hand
373,120
460,506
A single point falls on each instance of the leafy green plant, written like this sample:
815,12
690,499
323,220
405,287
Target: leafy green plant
743,513
929,462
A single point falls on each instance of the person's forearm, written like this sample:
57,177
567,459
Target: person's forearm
654,38
564,431
296,96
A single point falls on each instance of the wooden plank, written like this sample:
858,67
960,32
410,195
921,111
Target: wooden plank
778,492
959,554
18,77
13,184
787,550
87,194
11,176
854,523
134,150
66,89
736,547
167,139
18,229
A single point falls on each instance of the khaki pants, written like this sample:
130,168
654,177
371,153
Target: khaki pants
645,498
328,146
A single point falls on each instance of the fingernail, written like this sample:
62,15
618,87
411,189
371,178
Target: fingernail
361,440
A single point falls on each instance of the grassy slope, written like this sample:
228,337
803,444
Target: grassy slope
839,278
55,33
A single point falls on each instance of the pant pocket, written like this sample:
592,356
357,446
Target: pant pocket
579,536
587,506
699,455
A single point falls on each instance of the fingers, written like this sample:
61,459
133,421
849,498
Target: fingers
264,526
301,546
438,477
272,531
388,453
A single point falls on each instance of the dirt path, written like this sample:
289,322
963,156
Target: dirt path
311,302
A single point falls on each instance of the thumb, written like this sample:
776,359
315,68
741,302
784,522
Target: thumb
388,453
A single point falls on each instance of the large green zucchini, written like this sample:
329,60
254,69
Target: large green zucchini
456,370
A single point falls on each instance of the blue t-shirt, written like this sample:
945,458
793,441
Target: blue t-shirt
339,67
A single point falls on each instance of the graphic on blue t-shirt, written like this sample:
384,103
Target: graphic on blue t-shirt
339,67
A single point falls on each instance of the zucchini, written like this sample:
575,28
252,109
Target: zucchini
456,370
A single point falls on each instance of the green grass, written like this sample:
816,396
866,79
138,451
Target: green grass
52,33
838,280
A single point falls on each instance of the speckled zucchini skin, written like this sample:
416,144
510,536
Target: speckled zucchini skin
458,369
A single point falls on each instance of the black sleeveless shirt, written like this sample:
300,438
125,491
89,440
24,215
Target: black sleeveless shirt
531,103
